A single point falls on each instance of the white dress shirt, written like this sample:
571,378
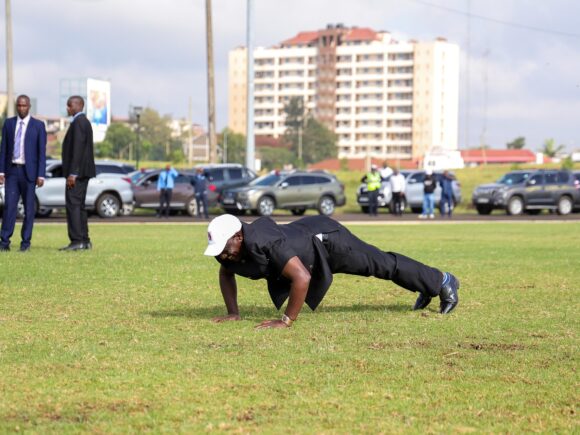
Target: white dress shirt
21,160
397,183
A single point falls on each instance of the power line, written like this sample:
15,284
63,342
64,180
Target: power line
495,20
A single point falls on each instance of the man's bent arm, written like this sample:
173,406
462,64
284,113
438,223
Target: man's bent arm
229,290
299,277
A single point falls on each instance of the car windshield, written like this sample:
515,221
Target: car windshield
266,180
514,178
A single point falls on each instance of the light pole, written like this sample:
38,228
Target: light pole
9,73
137,110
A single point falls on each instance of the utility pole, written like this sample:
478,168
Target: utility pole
9,75
210,85
250,142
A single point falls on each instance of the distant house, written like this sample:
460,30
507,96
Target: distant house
478,157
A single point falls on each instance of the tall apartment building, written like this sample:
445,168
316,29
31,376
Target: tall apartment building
382,97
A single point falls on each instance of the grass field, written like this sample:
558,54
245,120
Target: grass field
119,340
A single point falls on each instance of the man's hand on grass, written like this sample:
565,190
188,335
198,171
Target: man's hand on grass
271,324
229,317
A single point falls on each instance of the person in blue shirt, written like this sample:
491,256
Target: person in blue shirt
199,183
165,184
446,183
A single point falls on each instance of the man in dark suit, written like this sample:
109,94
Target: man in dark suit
78,166
22,168
298,261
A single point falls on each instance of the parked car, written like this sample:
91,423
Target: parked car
413,192
296,191
577,185
529,191
385,198
224,176
108,194
182,199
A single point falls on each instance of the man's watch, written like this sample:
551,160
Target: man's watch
287,320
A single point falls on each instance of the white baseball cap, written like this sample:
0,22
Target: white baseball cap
219,231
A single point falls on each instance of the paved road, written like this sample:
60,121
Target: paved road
346,217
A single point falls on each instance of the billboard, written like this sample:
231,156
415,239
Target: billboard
99,107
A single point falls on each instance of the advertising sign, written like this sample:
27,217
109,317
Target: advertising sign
99,107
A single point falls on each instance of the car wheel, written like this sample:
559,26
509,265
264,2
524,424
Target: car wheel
298,211
191,207
565,205
364,209
108,206
326,206
515,206
483,209
266,206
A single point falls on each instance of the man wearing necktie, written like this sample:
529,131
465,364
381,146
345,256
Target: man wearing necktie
22,168
78,166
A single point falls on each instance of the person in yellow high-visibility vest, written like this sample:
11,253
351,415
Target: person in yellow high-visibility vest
373,180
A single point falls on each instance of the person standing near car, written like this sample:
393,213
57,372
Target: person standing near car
385,171
397,181
22,168
165,185
78,167
446,183
199,183
373,181
429,186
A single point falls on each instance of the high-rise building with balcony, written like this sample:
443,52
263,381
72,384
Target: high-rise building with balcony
382,97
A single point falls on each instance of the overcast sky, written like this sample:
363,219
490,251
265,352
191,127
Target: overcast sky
153,51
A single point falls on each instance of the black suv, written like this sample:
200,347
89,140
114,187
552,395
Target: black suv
223,176
530,191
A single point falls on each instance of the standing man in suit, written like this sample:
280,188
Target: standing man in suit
22,168
78,166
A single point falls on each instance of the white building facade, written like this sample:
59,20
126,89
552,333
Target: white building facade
382,98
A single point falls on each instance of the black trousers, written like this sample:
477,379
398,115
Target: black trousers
398,202
165,201
373,202
76,214
348,254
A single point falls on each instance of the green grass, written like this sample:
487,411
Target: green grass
119,340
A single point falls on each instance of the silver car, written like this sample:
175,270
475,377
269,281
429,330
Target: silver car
413,192
109,195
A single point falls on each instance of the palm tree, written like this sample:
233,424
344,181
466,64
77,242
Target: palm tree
550,149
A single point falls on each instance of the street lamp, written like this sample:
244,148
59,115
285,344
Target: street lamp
137,110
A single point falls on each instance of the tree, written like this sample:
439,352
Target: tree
122,138
235,148
517,144
156,131
550,149
319,143
104,149
276,158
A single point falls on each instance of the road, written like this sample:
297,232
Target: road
383,218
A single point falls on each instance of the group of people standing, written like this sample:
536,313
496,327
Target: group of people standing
166,183
23,168
375,177
429,186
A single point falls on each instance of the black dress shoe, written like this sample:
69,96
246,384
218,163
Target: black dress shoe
73,247
4,248
24,248
422,302
88,246
448,295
